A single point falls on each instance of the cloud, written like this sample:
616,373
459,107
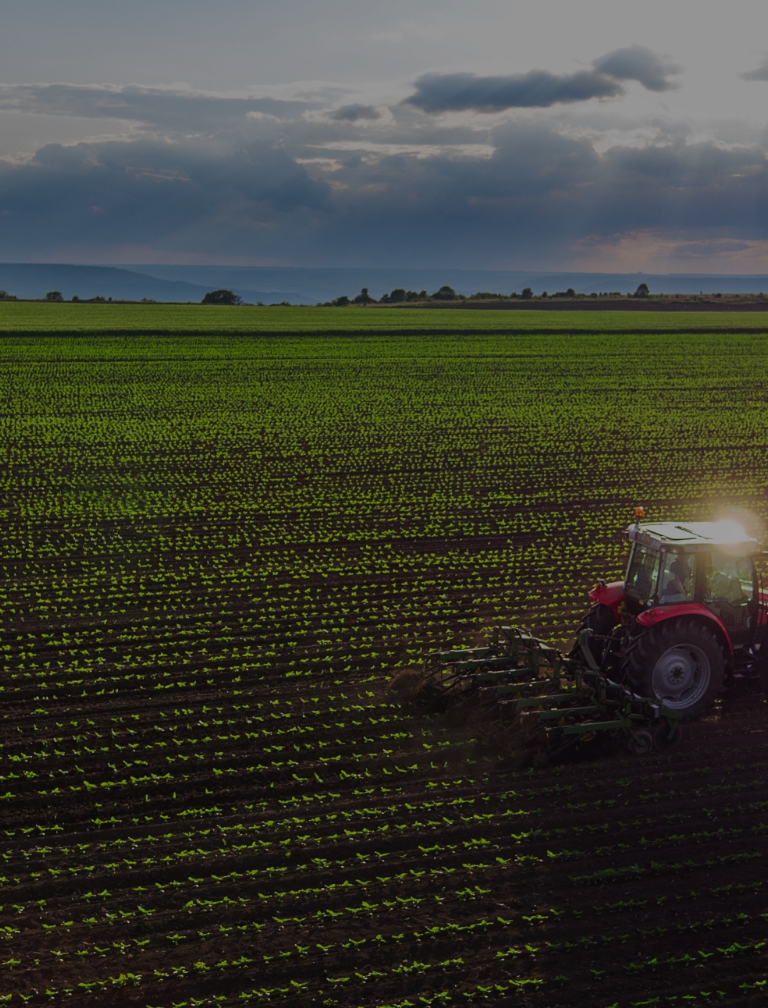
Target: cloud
352,113
150,191
373,151
154,107
652,250
641,64
444,92
539,194
400,189
759,73
436,92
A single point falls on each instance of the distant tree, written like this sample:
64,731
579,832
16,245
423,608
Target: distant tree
75,297
340,302
5,296
221,297
527,293
54,296
642,291
363,297
445,293
400,294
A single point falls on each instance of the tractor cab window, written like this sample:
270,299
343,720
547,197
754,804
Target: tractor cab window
676,580
729,588
642,573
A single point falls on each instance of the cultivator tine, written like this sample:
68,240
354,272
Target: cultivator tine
563,697
547,715
518,687
555,701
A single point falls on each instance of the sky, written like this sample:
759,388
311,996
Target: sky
485,134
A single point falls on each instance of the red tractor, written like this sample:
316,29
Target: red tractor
689,613
655,649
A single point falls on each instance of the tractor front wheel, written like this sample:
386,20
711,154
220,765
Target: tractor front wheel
678,663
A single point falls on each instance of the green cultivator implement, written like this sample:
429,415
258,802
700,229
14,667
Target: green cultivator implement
654,649
539,699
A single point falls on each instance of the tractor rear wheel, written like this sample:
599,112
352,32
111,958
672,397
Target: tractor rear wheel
678,663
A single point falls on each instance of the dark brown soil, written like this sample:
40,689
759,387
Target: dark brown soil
608,879
211,564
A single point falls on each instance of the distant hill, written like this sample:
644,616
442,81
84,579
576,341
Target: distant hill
34,280
305,285
324,284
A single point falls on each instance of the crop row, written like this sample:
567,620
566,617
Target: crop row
214,551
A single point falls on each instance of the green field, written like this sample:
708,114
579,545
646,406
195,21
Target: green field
31,316
214,553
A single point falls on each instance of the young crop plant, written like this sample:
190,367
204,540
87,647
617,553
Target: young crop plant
217,549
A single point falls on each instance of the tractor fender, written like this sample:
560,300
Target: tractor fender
659,613
611,594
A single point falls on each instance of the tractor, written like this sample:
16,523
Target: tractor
689,613
653,650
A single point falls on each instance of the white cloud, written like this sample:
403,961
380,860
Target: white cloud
374,150
652,251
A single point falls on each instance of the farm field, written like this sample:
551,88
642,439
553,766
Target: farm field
216,550
129,319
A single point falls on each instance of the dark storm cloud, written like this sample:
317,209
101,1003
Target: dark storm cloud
154,107
152,191
352,113
529,189
456,92
540,192
759,73
641,64
436,92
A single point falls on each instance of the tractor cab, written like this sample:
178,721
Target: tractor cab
690,565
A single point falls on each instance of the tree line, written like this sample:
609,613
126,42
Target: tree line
397,296
446,293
